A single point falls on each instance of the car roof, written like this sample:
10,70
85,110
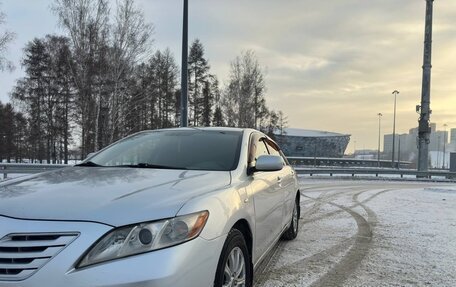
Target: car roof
205,128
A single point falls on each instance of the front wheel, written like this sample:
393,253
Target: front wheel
234,268
293,229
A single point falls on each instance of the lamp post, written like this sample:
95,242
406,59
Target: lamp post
395,92
444,144
184,68
438,152
379,127
354,149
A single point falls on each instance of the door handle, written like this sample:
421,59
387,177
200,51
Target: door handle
279,179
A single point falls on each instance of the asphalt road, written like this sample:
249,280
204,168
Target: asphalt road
368,233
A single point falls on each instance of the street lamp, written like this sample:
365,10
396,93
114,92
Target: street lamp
444,144
379,127
354,149
438,151
395,92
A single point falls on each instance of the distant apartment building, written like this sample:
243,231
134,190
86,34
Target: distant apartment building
453,136
406,144
403,143
452,144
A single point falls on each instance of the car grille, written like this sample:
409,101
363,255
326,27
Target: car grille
21,255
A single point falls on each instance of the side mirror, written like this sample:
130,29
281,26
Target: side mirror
269,163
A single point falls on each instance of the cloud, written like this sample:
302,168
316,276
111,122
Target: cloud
330,64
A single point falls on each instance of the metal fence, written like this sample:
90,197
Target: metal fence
22,168
26,168
344,162
376,172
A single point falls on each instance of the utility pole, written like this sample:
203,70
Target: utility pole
395,92
379,127
424,130
184,68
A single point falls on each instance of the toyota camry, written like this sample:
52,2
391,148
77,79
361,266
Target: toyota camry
185,207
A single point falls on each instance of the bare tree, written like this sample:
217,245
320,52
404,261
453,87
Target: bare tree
5,38
86,22
131,43
244,97
106,57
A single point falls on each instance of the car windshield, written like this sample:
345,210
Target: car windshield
173,149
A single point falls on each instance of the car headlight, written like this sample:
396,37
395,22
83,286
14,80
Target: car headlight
145,237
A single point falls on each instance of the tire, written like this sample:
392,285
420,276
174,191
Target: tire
293,229
233,251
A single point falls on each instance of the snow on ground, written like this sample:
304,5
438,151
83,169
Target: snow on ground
368,233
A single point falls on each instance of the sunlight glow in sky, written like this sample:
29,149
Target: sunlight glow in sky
330,65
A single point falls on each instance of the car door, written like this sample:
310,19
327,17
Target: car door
268,199
287,182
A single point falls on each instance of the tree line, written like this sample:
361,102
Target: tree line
102,80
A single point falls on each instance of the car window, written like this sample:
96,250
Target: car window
187,149
260,149
257,148
274,150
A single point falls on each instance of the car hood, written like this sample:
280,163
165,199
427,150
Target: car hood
114,196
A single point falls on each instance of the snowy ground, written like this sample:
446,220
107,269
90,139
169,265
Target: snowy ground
368,233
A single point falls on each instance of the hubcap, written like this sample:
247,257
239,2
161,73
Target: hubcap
234,273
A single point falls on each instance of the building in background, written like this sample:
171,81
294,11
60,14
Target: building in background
453,136
312,143
402,144
406,146
452,144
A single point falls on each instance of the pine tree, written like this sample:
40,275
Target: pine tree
46,97
218,114
198,73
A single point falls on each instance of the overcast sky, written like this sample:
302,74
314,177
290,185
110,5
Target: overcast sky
330,65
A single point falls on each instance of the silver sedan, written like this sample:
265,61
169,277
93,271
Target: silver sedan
187,207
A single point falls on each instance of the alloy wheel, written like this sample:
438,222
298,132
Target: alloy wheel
235,273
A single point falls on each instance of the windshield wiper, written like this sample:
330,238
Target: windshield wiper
149,165
88,163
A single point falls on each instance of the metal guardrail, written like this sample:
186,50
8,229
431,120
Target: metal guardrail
7,168
25,168
376,171
343,162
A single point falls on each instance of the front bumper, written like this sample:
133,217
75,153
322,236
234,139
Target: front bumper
192,264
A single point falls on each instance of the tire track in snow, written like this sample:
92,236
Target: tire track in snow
268,272
351,260
360,244
329,214
363,241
